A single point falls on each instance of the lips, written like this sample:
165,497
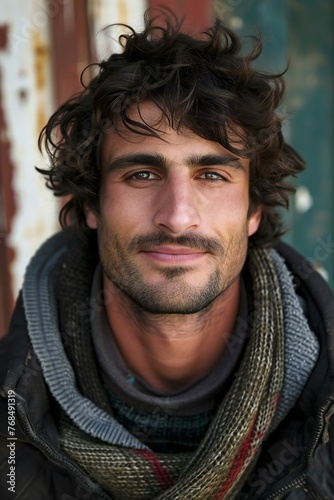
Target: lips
174,254
175,250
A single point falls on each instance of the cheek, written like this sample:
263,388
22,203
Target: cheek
230,209
123,213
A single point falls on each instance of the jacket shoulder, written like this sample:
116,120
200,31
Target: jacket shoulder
14,346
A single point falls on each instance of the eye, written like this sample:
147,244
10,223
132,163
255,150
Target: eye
213,176
143,175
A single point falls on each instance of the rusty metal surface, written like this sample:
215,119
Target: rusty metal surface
198,14
7,208
27,100
70,48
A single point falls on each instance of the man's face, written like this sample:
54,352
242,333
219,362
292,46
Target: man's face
173,225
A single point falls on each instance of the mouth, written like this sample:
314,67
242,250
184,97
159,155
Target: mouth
174,254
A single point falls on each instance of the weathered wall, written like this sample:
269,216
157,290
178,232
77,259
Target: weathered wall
28,210
38,71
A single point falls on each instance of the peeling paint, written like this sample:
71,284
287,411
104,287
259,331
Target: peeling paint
7,211
41,55
36,230
3,37
122,9
27,101
41,52
103,13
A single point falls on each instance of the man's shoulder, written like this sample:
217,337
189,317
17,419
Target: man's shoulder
14,346
59,244
309,283
319,304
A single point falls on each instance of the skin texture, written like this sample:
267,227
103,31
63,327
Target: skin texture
173,231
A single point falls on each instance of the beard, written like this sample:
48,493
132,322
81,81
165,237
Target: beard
170,292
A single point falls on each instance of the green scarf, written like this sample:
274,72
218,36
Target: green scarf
221,464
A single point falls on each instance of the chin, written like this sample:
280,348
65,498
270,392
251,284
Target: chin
173,307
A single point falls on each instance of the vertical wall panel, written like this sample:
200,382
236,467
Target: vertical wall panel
26,96
44,45
70,47
198,13
7,206
103,13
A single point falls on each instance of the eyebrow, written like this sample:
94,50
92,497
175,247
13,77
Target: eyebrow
211,160
159,161
144,159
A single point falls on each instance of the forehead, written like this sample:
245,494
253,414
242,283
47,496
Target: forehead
174,145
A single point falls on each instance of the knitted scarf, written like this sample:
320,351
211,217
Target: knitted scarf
221,464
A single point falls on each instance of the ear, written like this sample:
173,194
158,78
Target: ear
254,220
91,218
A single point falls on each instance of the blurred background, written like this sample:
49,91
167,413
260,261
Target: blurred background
45,45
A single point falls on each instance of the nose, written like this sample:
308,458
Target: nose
176,206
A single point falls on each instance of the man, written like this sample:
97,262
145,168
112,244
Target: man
165,345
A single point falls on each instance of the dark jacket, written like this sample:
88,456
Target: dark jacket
296,462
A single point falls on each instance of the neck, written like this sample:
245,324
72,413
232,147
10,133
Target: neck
171,351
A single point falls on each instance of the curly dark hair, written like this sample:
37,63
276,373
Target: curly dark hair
205,84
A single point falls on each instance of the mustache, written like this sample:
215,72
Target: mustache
196,241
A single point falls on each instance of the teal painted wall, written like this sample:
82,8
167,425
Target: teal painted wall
301,32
